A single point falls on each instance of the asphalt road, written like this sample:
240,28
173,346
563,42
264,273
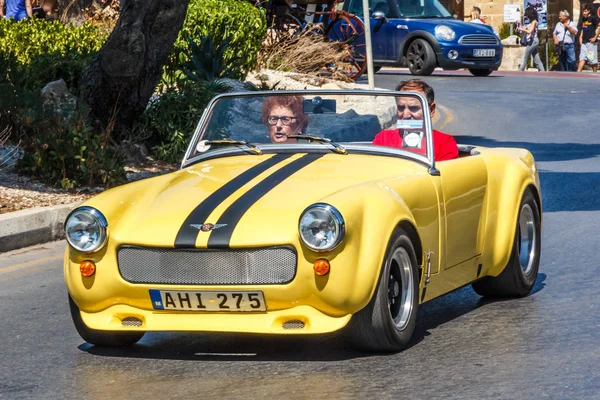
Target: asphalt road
464,347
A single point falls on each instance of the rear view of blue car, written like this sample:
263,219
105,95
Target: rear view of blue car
422,35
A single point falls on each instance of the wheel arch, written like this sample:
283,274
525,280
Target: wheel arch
419,34
413,235
504,198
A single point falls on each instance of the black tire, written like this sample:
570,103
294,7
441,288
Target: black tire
519,275
387,323
480,72
102,338
420,57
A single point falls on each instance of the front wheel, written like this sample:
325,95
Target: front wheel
421,57
388,321
480,72
519,275
101,338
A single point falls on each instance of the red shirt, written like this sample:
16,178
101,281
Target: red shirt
444,145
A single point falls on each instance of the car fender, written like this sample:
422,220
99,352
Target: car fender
512,172
418,34
371,217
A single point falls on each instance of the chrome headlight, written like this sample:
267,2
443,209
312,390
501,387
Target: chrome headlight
321,227
86,229
444,32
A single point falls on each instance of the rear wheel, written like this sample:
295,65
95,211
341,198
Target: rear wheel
519,275
101,338
480,72
388,321
421,57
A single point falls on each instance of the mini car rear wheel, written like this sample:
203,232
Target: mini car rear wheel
388,321
519,275
420,57
480,72
101,338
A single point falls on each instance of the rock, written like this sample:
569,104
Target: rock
234,84
9,155
57,98
511,41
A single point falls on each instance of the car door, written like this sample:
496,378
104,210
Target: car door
385,35
464,184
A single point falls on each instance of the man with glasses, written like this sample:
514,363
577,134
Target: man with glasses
409,108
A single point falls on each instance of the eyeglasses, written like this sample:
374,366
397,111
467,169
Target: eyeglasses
272,120
412,109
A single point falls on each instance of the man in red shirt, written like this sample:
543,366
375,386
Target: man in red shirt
409,108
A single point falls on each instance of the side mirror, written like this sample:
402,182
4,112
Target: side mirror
379,16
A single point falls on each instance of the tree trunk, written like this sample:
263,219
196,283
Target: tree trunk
123,75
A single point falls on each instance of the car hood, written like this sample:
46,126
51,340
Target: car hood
460,27
239,200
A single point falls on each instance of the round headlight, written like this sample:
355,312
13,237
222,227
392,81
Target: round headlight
444,32
86,229
321,227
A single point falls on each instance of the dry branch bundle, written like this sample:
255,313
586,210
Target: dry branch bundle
306,52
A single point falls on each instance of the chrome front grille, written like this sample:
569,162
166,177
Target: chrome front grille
272,265
478,39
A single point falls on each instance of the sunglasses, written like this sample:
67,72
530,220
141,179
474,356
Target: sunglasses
272,120
412,109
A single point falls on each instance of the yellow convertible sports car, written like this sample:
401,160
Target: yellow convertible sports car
285,219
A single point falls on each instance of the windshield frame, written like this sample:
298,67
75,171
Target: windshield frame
352,147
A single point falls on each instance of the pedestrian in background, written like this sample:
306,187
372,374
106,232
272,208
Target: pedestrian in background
476,16
532,41
587,39
564,40
17,9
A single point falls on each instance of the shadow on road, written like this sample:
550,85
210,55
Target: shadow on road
251,347
561,191
541,151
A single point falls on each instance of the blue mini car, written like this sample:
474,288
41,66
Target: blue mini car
422,35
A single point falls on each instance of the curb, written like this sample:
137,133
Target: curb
33,226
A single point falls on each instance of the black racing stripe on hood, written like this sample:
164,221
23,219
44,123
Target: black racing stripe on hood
219,238
186,237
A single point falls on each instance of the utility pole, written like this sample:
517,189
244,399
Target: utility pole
369,55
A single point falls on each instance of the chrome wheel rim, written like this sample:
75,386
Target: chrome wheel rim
527,239
400,288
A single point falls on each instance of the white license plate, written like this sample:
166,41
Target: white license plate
223,301
484,52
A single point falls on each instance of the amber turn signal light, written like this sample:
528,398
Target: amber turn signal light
321,267
87,268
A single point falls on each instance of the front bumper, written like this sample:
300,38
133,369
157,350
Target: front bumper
296,320
466,58
320,304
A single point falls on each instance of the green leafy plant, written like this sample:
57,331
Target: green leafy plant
170,121
206,62
239,23
504,31
68,153
43,51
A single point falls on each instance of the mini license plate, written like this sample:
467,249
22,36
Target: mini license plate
223,301
484,52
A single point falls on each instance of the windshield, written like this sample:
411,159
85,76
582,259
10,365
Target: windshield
402,8
261,122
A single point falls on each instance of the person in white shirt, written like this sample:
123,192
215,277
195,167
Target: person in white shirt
564,39
476,16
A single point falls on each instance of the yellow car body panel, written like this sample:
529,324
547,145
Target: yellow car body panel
464,221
